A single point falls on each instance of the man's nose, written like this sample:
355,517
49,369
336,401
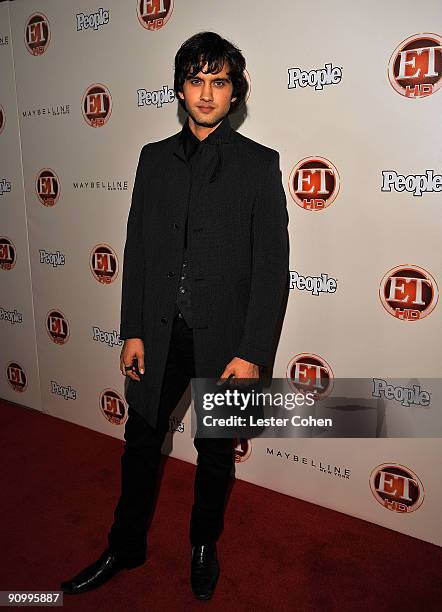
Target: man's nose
206,93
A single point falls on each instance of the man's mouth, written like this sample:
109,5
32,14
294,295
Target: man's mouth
206,109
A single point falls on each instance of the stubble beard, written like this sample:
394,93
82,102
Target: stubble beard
209,122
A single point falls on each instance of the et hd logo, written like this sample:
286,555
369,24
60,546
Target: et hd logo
96,105
396,488
415,67
310,373
408,293
154,14
37,34
47,187
314,183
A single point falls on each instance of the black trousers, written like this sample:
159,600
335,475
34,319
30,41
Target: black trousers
141,460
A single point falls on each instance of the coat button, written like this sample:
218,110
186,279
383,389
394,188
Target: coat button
164,320
176,226
170,274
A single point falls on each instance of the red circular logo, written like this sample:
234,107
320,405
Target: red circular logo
96,105
415,67
16,376
154,14
113,407
408,293
309,373
37,34
57,326
8,254
103,263
314,183
396,487
47,187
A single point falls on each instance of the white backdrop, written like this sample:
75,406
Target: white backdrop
373,220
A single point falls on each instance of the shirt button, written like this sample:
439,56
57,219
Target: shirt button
164,320
184,263
183,276
182,290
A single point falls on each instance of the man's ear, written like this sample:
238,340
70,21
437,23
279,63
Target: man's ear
181,95
233,99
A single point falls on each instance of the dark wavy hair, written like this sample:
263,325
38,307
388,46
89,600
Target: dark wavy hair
211,49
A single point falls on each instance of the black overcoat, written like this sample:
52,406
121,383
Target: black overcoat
238,247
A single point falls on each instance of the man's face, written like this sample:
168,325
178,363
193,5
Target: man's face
208,96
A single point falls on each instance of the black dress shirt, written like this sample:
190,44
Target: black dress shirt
183,300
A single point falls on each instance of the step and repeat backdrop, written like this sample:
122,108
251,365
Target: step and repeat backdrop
348,94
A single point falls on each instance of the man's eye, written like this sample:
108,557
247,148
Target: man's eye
195,81
220,83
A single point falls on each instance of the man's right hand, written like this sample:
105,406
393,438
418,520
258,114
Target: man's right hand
133,348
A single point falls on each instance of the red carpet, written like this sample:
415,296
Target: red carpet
60,486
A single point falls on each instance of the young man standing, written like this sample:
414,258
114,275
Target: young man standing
204,280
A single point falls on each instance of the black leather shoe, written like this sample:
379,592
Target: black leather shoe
96,574
204,570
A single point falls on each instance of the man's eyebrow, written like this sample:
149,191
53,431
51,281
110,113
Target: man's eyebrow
194,76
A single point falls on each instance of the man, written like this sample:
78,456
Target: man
204,279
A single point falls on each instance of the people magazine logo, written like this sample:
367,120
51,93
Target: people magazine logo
154,14
5,186
113,407
242,449
47,187
312,284
314,183
310,373
415,67
396,488
96,105
103,263
329,75
408,293
16,376
2,119
37,34
57,326
8,254
417,184
92,21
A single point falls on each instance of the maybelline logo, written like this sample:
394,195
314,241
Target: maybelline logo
5,186
417,184
66,392
12,316
155,98
53,111
100,185
4,40
404,395
326,468
328,75
111,338
313,284
52,259
93,20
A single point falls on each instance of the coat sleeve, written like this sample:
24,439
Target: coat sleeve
270,267
133,263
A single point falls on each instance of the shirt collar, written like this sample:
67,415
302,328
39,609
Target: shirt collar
222,134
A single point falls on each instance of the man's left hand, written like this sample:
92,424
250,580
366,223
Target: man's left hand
239,368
